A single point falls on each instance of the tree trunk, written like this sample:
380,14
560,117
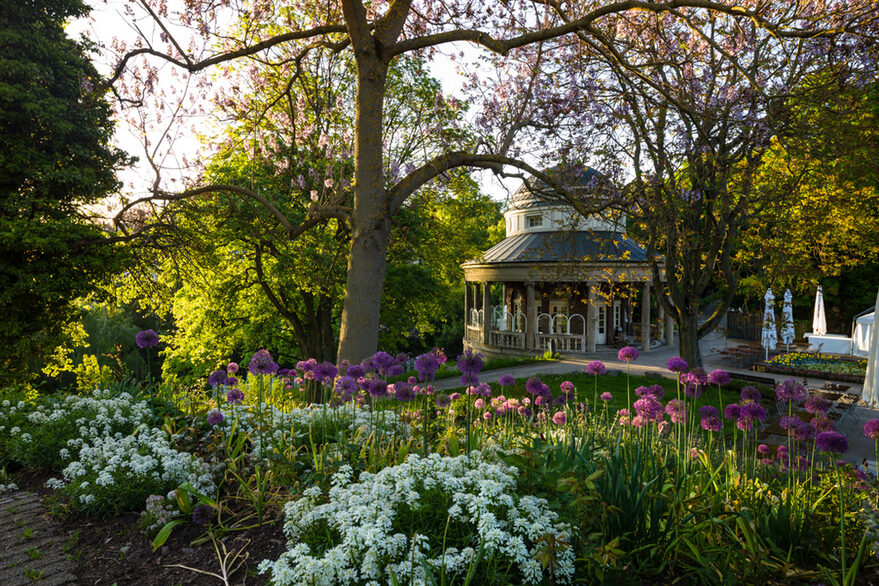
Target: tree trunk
688,340
370,222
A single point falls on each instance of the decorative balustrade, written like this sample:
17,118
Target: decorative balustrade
563,342
508,339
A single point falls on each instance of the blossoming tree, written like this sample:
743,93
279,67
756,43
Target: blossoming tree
528,39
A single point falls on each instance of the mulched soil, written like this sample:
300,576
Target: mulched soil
115,551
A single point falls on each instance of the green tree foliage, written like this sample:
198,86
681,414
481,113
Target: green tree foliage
55,160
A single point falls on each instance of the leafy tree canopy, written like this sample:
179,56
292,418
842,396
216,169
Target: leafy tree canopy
55,161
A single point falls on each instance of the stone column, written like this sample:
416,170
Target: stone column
466,307
486,313
592,317
645,317
530,317
661,322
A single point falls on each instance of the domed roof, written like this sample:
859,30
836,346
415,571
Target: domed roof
535,193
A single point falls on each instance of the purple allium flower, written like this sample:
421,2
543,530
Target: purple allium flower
656,391
832,441
627,354
346,387
871,429
763,449
146,338
523,411
455,396
404,392
483,390
693,390
217,378
440,355
443,401
711,423
396,370
382,361
377,388
732,411
215,417
567,387
649,407
427,365
541,400
202,514
790,390
401,358
232,368
677,364
306,367
534,386
262,363
506,380
750,393
817,405
676,411
596,367
718,377
234,396
696,376
823,423
753,412
230,381
805,431
355,371
606,397
623,416
708,410
470,363
788,422
641,391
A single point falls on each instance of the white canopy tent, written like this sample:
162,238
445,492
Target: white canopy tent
870,394
863,334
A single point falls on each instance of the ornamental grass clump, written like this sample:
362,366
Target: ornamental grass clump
428,520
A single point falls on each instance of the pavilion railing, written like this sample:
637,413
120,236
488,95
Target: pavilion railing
508,339
475,334
563,342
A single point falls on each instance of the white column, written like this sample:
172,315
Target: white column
591,318
645,318
530,317
486,312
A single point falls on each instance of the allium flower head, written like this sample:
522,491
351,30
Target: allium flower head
346,387
696,376
823,423
750,393
711,423
718,377
871,429
262,363
217,378
382,362
656,391
404,392
455,396
234,396
707,410
202,514
805,431
377,388
534,386
753,412
817,405
648,407
641,391
763,449
230,381
567,387
146,338
832,441
355,371
732,411
627,354
596,367
676,411
470,363
506,380
215,417
443,401
606,397
790,390
693,390
427,365
232,368
677,364
789,422
486,415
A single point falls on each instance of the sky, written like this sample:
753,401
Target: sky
106,21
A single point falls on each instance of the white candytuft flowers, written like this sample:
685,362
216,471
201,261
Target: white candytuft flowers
397,521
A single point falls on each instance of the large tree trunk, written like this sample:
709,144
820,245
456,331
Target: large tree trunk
371,221
688,340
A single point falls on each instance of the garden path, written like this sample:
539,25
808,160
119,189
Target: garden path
31,548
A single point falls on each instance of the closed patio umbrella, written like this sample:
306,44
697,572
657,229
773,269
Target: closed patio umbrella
787,326
819,320
871,382
769,336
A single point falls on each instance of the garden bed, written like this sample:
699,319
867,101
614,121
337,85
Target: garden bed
807,364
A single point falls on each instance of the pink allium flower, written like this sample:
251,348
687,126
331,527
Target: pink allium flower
606,397
627,354
560,418
596,367
871,429
232,367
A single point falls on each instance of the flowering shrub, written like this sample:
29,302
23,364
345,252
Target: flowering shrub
397,522
115,473
38,435
818,362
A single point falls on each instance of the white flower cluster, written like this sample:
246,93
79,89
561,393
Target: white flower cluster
356,421
8,487
146,455
507,526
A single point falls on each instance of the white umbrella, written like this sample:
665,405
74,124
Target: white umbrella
787,313
769,336
871,382
819,320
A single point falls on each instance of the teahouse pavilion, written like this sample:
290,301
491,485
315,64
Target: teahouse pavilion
566,282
